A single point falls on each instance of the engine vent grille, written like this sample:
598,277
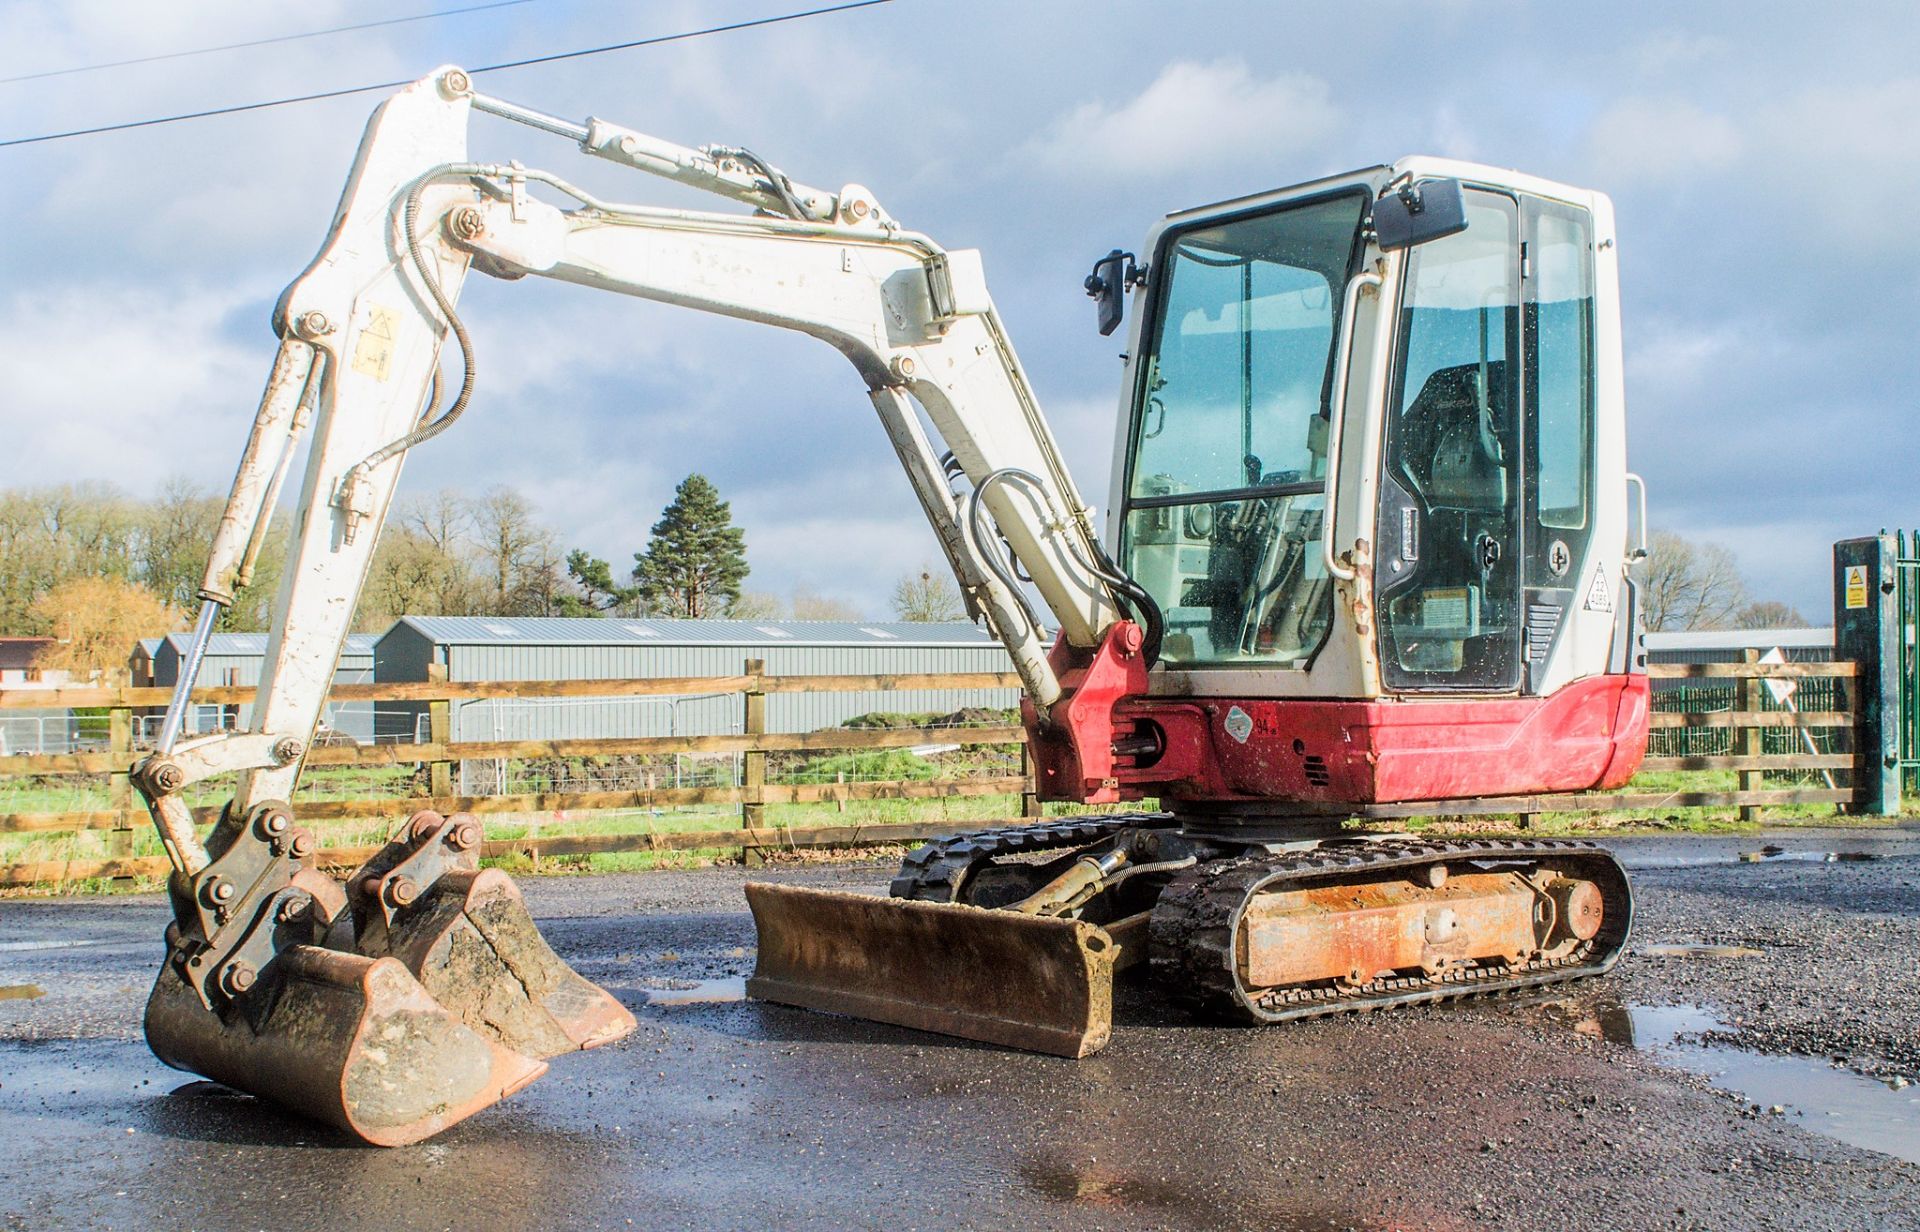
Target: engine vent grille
1543,619
1316,768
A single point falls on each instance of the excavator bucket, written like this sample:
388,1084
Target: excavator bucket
474,948
353,1041
1024,981
434,997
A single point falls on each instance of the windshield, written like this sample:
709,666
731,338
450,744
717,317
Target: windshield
1229,442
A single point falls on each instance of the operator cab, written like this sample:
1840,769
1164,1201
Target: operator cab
1470,411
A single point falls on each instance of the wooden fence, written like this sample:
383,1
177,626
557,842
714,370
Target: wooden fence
1752,714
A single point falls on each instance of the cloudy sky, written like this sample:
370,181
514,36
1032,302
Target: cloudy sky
1764,159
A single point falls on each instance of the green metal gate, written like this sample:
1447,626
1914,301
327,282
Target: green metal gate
1906,615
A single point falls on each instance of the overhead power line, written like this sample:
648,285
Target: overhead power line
279,38
490,68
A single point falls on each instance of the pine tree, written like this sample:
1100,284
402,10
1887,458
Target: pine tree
696,558
599,592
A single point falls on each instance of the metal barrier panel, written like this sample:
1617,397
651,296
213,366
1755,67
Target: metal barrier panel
1868,630
1906,573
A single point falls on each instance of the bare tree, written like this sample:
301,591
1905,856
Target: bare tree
1769,614
757,605
1690,585
411,575
930,596
809,606
177,528
444,519
49,536
515,552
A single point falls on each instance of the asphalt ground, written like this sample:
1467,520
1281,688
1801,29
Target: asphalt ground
722,1113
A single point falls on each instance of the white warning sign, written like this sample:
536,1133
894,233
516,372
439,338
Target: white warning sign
1599,597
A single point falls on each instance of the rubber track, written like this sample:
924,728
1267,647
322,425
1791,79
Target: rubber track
931,873
1193,926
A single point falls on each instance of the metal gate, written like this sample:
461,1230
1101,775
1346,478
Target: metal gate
1906,615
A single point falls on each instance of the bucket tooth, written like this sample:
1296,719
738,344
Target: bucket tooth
353,1041
473,946
1023,981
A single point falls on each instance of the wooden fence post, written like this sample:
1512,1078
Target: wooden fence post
753,769
1029,795
1752,741
439,733
120,790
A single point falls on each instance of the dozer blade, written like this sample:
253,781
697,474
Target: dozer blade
352,1041
1024,981
474,948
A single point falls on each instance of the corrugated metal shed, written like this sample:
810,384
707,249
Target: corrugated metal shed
1727,645
140,662
238,659
485,648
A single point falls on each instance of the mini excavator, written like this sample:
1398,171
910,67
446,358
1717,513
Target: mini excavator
1366,554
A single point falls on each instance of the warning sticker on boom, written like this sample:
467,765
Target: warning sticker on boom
373,350
1599,598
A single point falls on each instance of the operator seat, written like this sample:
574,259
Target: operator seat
1451,452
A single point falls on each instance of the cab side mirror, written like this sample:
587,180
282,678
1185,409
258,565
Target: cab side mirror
1112,277
1417,212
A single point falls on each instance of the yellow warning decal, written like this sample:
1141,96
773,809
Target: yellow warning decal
373,349
1856,586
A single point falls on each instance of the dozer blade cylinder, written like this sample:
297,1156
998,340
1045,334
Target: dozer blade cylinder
1039,983
352,1041
474,947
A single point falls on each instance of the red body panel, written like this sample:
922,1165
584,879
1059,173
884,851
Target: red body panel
1589,734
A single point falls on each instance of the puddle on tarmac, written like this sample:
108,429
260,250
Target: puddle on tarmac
1096,1184
1816,1095
1100,1186
22,947
698,992
21,992
1769,854
1698,949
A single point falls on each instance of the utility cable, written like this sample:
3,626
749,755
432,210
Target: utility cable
749,24
263,42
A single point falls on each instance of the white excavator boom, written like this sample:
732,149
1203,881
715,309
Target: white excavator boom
363,329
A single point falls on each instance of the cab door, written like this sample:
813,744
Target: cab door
1487,487
1448,575
1557,353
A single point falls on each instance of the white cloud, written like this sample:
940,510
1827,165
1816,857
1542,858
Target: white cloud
1639,140
1192,116
1671,358
1845,151
123,383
